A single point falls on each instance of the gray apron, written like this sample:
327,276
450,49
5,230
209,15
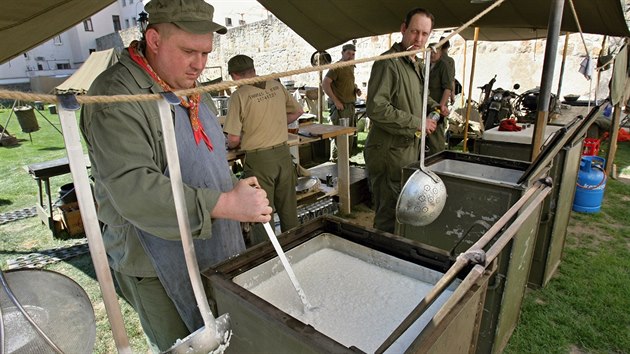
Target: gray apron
201,168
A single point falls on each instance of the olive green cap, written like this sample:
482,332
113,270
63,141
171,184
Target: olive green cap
193,16
240,63
349,47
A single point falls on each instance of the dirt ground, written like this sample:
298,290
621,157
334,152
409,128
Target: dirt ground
361,214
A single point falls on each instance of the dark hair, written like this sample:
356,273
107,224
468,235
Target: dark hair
419,10
446,44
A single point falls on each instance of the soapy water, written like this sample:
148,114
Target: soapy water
287,267
358,303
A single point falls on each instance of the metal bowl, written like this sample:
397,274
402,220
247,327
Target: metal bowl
571,98
306,184
421,199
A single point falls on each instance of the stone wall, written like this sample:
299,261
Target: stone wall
276,48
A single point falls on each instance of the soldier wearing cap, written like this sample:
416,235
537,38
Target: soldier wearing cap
132,186
257,120
342,91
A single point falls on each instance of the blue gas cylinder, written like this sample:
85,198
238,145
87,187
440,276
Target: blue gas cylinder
591,183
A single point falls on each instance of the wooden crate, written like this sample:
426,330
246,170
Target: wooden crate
71,218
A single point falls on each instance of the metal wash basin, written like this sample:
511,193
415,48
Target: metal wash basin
365,282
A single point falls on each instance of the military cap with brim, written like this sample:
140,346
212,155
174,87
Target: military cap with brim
193,16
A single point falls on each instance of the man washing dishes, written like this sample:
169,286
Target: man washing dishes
132,185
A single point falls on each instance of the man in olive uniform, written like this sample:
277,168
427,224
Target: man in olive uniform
440,84
450,65
257,120
342,92
394,106
132,184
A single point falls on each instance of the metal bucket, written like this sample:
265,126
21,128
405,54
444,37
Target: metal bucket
26,118
67,194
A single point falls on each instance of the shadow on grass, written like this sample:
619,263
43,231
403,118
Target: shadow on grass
52,148
4,202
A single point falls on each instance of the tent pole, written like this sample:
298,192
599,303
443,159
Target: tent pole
464,72
551,49
614,133
470,88
564,60
319,93
6,125
599,72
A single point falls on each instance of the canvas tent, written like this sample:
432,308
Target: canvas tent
328,23
25,24
81,80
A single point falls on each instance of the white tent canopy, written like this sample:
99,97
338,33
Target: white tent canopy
81,80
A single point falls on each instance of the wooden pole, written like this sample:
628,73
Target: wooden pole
470,88
599,72
464,72
614,133
564,60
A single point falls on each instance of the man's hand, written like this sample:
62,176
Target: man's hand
247,202
339,105
444,110
430,127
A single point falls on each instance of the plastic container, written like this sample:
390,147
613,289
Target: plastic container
591,147
591,183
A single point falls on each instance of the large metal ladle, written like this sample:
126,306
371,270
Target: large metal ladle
423,196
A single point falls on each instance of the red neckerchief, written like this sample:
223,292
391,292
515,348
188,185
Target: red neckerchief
193,101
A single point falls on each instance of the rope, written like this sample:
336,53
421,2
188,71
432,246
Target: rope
85,99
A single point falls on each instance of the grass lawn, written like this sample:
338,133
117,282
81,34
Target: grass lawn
584,309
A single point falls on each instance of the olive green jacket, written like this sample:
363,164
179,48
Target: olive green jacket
394,102
128,162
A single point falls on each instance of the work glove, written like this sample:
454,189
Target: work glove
509,125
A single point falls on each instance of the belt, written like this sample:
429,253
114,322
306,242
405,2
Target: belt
267,148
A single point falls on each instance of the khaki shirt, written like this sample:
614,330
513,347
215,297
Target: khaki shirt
439,80
450,65
258,113
343,83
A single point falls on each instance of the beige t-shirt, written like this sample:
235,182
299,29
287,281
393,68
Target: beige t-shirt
258,113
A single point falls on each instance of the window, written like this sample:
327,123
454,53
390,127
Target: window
87,25
116,21
124,3
228,22
130,2
40,67
126,23
57,40
61,66
134,21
